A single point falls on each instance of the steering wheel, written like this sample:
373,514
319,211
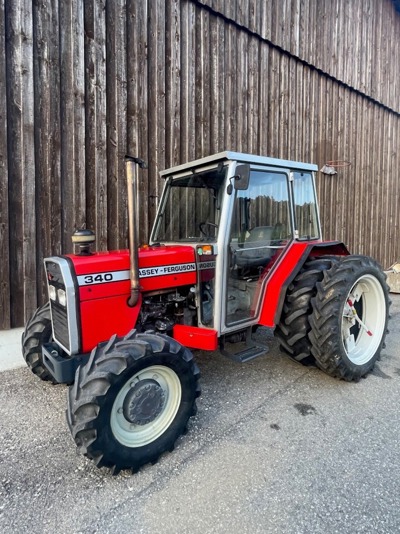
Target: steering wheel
204,224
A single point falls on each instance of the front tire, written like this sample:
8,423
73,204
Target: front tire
349,318
37,332
132,400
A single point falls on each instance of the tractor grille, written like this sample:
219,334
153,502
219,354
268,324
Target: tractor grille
63,313
60,324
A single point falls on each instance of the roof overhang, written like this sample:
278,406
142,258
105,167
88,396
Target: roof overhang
241,158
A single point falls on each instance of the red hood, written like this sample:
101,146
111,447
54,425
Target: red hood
160,267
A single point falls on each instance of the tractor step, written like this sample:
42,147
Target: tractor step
245,355
253,349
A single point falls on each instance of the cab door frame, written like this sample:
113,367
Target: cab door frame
224,258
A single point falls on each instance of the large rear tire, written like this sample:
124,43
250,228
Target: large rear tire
294,325
132,400
349,318
37,332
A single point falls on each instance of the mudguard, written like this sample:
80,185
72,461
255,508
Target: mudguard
289,264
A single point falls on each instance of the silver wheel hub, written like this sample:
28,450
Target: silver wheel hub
363,319
144,402
146,406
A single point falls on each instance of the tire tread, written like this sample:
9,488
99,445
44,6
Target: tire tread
92,382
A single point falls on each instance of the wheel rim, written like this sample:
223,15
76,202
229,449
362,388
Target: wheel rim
146,406
363,320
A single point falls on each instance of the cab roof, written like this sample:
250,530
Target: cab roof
241,158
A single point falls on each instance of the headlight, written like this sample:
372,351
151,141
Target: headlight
62,297
52,292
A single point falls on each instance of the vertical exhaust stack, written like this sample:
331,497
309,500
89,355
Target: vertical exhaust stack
133,223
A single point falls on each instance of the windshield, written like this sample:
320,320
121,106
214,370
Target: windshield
190,208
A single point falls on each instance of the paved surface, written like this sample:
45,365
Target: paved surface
10,349
275,447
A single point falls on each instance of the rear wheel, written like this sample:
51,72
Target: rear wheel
294,325
349,319
132,400
37,332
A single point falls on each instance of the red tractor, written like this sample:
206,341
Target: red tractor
236,244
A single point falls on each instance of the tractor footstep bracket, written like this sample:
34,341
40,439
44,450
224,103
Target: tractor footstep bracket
253,349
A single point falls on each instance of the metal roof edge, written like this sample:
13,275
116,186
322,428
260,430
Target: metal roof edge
228,155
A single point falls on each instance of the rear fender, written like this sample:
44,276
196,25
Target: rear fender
287,269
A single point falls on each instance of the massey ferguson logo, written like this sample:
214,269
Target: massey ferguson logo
167,269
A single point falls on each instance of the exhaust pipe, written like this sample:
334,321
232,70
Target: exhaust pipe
133,223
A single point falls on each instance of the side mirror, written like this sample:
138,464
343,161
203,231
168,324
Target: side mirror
242,176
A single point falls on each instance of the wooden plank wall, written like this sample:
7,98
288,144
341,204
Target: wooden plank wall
354,42
84,82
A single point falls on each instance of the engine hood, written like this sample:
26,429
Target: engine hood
160,267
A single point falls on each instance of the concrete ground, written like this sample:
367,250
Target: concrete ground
275,448
10,349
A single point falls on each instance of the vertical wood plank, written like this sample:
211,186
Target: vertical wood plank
283,135
304,34
394,164
241,79
28,162
172,82
294,45
216,84
230,87
156,110
263,93
72,118
47,135
96,120
273,104
252,95
15,169
297,121
266,20
293,125
5,319
242,13
187,99
116,104
202,84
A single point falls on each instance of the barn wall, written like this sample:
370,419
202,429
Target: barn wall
84,82
356,42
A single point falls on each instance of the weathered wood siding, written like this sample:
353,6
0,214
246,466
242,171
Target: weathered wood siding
84,82
354,41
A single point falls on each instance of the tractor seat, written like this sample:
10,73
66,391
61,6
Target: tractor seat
255,251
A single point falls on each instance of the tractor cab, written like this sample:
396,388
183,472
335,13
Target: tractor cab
240,213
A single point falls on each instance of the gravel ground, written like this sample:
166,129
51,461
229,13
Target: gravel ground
275,448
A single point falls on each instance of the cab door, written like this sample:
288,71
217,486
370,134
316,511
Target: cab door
261,228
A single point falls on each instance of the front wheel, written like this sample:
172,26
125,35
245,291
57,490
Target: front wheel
349,318
132,400
37,332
